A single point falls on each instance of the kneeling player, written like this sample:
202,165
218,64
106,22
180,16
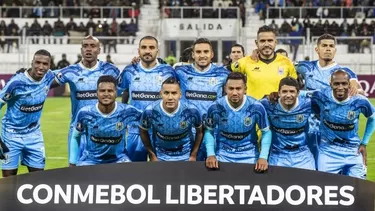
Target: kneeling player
104,125
341,150
235,116
289,126
171,122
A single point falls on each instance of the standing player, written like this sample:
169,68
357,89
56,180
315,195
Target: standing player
105,125
186,57
171,122
289,125
235,116
24,95
341,150
264,75
82,78
141,83
202,82
236,52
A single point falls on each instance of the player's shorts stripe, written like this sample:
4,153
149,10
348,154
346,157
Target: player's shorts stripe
106,140
31,108
235,136
338,127
288,131
147,96
199,95
176,137
86,95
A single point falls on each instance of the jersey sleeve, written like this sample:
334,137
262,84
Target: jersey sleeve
262,119
125,77
302,68
9,92
265,103
146,118
168,72
212,117
317,101
367,109
111,70
65,75
79,122
239,66
132,114
292,72
351,73
195,115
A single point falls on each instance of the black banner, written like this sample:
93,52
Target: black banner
172,186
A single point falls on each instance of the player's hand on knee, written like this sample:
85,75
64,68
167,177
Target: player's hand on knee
255,55
192,158
135,60
273,97
3,150
362,150
261,165
211,162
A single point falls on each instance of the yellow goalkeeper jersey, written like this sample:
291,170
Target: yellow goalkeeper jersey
263,77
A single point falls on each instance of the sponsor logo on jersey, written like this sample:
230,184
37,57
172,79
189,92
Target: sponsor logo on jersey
147,96
86,95
235,136
199,95
289,131
176,137
339,127
106,140
31,108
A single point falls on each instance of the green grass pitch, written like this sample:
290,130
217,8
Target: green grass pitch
55,126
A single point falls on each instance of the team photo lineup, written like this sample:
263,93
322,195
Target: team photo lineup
260,109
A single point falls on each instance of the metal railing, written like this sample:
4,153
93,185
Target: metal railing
66,12
320,12
202,12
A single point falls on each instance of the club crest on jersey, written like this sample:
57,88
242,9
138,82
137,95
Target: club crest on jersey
281,71
300,118
7,160
119,126
7,96
351,115
209,121
247,121
159,80
183,125
212,81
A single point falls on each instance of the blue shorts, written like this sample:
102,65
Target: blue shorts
136,149
339,158
231,155
29,148
300,158
88,160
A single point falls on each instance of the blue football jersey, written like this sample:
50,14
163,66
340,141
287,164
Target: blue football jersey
144,85
105,133
171,131
339,120
317,77
83,82
202,88
289,128
236,126
25,99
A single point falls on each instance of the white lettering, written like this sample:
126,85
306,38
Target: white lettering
242,189
208,194
314,192
194,191
129,195
20,194
270,200
89,194
150,191
66,196
169,196
349,196
256,195
182,194
328,195
36,194
288,195
117,194
227,196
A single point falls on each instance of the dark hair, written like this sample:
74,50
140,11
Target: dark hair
236,76
107,79
186,55
202,41
171,80
266,28
326,37
239,45
281,51
289,81
340,71
149,38
43,53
